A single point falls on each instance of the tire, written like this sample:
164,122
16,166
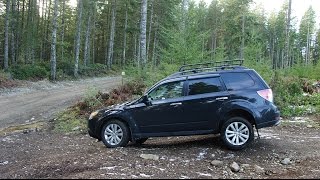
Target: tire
115,134
140,141
237,133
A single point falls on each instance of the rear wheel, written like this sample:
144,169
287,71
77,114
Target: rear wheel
237,133
115,134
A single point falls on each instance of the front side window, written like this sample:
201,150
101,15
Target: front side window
203,86
167,91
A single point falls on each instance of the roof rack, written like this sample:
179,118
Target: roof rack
216,65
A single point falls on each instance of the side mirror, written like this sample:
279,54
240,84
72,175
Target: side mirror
146,100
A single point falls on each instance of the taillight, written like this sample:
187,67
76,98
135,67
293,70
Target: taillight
266,94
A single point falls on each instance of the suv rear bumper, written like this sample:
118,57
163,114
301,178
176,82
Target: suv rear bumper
275,122
268,124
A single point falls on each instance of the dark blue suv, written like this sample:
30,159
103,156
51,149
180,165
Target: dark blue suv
208,98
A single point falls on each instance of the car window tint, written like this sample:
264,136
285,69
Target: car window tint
236,81
202,86
166,91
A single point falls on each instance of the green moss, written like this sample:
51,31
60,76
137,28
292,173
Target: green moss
70,121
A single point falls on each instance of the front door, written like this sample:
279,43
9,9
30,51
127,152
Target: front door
165,113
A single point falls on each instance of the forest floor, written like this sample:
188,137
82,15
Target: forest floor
290,150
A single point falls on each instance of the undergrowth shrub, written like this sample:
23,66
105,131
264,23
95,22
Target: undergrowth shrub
294,95
29,71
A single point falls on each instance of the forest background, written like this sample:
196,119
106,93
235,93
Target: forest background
150,39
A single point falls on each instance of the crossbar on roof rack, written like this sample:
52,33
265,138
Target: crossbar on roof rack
226,64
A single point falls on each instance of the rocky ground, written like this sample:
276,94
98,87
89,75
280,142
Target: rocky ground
291,150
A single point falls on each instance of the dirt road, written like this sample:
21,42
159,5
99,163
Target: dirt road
41,100
286,152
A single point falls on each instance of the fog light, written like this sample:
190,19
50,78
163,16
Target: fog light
93,114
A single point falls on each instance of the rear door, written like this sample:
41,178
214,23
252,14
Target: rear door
201,105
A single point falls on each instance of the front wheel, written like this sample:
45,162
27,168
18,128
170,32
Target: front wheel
237,133
115,134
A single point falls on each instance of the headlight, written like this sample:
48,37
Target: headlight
93,114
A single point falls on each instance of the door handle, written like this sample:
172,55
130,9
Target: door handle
222,98
175,104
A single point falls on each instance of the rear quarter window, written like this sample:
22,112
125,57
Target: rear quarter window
237,80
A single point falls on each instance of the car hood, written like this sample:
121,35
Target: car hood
118,107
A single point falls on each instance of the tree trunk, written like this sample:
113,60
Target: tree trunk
288,36
54,41
93,35
272,54
185,4
13,32
282,59
42,30
307,49
28,34
105,42
87,42
143,34
139,52
46,42
21,34
242,39
6,37
125,37
112,29
78,36
62,28
17,32
135,48
33,30
150,29
154,46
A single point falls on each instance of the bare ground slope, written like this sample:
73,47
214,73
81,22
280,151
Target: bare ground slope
41,100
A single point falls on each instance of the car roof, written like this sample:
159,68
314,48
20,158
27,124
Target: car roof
203,70
208,68
206,72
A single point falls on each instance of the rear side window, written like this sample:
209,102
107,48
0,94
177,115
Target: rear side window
203,86
237,81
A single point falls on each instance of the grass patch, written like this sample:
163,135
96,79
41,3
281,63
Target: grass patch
69,121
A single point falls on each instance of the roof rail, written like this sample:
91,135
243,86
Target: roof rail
209,66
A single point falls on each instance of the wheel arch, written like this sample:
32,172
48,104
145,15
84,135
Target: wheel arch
239,112
104,120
